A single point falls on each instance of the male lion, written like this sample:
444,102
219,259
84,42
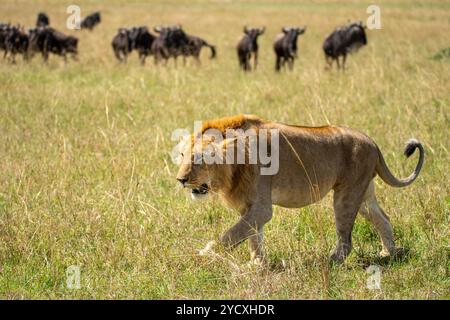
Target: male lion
312,161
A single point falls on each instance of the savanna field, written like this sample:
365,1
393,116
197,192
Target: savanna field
87,177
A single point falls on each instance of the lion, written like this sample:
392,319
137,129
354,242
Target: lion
312,162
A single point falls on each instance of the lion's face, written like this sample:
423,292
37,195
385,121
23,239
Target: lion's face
194,172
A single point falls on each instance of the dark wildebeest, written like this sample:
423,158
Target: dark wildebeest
248,46
122,44
48,40
170,43
16,42
141,41
342,41
194,46
91,21
4,30
285,47
42,20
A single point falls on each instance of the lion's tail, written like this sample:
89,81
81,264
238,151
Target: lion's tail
387,176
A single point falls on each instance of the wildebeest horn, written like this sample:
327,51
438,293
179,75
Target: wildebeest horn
285,29
245,29
157,29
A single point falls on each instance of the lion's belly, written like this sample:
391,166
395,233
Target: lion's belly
290,199
297,197
294,189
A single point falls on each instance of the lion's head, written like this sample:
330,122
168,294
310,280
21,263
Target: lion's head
206,166
202,166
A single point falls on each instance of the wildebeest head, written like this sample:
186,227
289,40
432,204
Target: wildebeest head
91,20
293,33
42,20
355,36
290,38
254,33
17,40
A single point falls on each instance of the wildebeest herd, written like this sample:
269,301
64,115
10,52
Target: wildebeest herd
172,41
41,39
169,42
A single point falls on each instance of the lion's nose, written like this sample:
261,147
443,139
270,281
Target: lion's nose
183,180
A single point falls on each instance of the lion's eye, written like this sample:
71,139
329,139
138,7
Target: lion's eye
197,158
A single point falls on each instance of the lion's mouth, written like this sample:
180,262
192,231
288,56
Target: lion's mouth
203,189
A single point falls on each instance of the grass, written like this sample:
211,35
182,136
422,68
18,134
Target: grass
85,155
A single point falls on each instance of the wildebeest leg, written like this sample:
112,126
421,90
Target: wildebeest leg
344,58
278,63
13,58
45,56
291,63
156,58
338,64
248,66
142,57
256,60
117,54
242,62
197,59
329,62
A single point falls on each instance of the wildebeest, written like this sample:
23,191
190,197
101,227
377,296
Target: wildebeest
141,41
247,46
15,42
91,21
42,20
194,46
122,44
170,43
48,40
285,46
342,41
4,30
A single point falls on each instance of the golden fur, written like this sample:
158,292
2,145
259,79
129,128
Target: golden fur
312,161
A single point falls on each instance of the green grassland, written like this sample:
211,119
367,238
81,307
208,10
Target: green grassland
87,178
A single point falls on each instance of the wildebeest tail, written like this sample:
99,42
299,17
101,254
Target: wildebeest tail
387,176
213,49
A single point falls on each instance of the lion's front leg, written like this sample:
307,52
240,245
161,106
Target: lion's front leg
256,247
250,226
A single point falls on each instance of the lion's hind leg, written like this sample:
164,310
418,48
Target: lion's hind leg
346,203
372,211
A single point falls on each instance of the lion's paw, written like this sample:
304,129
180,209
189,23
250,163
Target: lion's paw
257,263
208,249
